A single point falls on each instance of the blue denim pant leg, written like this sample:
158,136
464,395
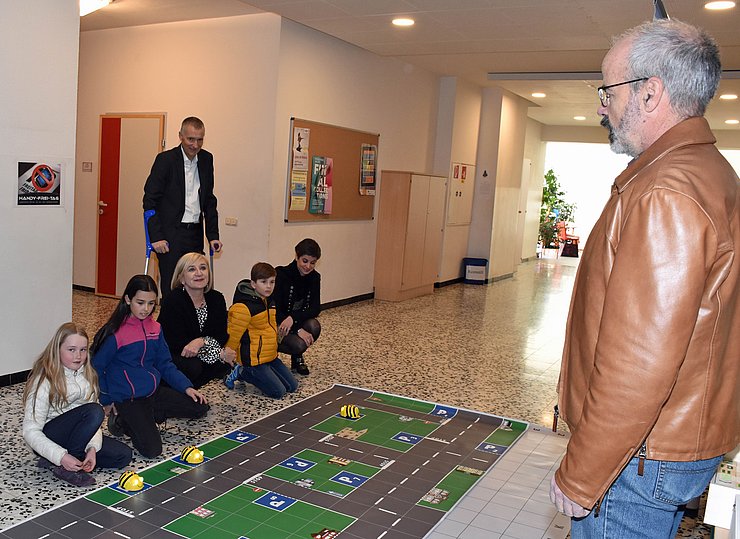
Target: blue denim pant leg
648,506
274,379
74,429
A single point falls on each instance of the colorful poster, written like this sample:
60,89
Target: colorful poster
301,139
39,184
298,181
321,182
367,169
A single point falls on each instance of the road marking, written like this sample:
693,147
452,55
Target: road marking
168,500
188,490
68,525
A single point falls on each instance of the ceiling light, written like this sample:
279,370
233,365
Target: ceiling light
719,5
88,6
579,118
402,21
732,122
728,97
539,94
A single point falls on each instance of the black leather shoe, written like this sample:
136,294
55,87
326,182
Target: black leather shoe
299,365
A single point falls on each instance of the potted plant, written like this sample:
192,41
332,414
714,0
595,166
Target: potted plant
553,210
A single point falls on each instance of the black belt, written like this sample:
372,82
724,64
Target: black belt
189,226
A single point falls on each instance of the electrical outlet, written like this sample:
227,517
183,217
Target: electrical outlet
231,221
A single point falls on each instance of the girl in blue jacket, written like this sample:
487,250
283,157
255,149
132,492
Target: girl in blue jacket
131,357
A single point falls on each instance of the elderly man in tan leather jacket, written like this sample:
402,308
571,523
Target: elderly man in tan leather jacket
649,383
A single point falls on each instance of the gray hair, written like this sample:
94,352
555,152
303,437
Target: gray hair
684,57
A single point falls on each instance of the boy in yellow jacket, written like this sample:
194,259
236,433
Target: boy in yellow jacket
253,335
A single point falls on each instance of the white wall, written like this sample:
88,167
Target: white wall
37,106
456,142
245,77
221,70
323,79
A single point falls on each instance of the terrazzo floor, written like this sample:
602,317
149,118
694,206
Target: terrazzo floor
493,348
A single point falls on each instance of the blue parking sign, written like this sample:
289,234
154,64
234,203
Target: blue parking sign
491,448
407,438
350,479
273,500
241,436
294,463
444,411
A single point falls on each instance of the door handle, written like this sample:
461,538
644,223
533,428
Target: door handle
101,205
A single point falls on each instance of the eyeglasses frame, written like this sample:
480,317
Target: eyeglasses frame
604,97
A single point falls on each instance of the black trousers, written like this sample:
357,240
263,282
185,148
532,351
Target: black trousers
295,346
200,372
185,240
139,417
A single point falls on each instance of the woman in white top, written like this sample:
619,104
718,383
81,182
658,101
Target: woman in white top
62,416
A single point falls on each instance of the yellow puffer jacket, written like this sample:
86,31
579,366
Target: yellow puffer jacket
252,326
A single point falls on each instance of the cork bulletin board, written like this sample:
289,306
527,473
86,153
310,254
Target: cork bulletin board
345,151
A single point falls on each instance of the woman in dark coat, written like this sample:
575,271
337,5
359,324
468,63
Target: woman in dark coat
297,298
193,319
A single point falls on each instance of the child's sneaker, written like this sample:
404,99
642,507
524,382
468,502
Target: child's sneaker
78,479
233,376
115,427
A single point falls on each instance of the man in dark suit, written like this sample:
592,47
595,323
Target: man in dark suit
180,190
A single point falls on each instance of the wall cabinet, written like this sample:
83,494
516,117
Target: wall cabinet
410,229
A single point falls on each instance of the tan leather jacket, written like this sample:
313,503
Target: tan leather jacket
652,346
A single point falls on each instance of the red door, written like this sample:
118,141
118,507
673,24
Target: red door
128,145
110,166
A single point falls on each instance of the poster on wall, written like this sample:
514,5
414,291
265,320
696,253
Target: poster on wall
321,182
367,169
298,181
39,184
301,139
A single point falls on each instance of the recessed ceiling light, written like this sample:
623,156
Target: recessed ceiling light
579,118
732,122
539,94
728,97
720,4
403,21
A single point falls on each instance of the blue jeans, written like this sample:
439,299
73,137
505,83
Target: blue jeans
274,379
648,506
74,429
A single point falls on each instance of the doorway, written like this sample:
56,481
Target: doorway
128,145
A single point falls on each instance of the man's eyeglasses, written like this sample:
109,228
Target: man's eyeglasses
604,97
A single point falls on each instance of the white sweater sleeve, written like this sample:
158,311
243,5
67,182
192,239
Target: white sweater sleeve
33,425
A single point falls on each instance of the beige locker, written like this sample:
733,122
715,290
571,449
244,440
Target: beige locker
410,227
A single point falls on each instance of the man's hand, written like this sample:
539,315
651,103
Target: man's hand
216,245
564,504
161,246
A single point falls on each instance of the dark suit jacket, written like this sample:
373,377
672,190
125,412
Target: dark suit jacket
164,192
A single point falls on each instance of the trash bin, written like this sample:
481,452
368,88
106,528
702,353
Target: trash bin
476,270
